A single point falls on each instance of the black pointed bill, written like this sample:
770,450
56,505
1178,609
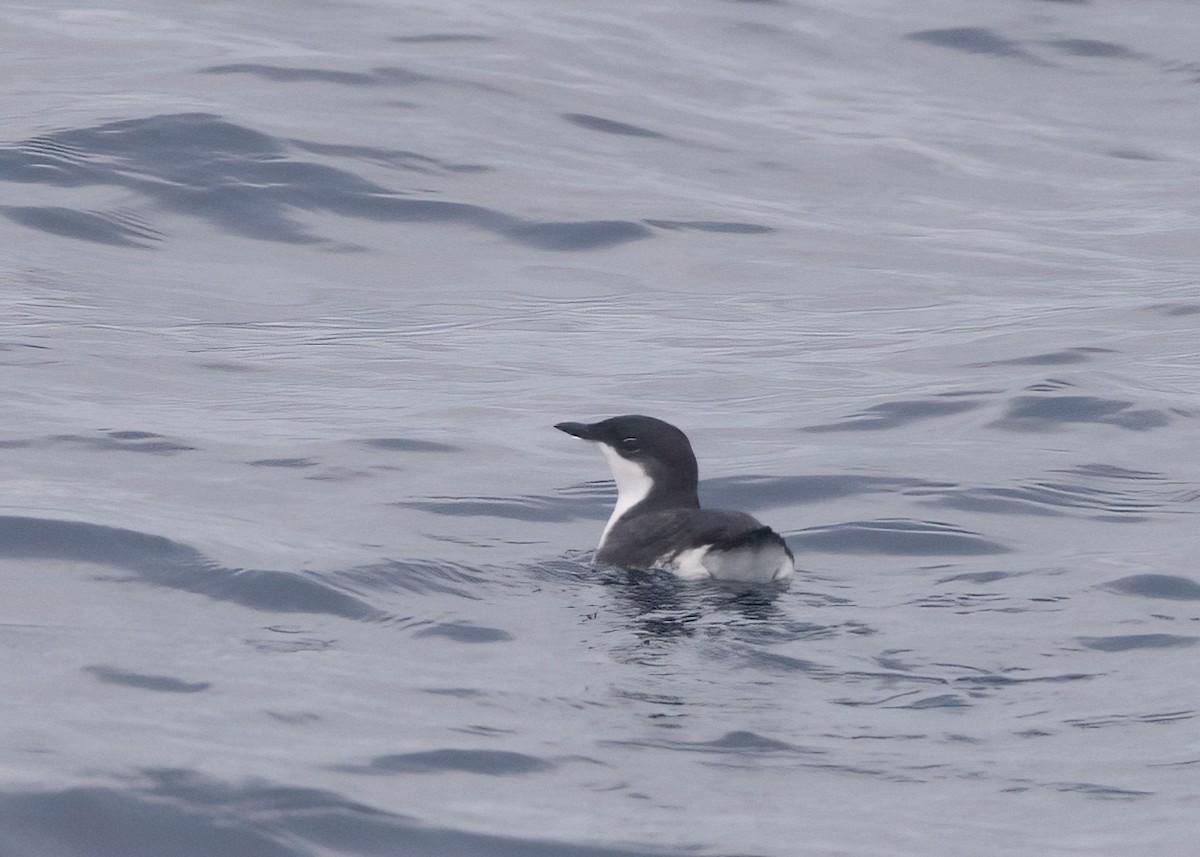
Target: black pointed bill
583,431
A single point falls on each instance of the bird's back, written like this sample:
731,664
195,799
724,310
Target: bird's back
698,543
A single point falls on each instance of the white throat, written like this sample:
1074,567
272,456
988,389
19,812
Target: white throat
633,484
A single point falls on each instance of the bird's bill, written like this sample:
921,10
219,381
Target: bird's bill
583,431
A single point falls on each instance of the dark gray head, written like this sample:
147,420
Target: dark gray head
651,460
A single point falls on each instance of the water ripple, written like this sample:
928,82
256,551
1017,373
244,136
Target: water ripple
163,562
247,182
186,814
492,763
896,537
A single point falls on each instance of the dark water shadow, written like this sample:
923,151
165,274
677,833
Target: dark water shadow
889,415
1131,154
406,444
1134,642
183,814
384,76
285,463
125,441
611,126
1167,586
742,744
162,562
160,683
1050,413
249,184
1094,49
100,227
106,441
465,632
975,40
1177,309
1065,357
725,226
491,763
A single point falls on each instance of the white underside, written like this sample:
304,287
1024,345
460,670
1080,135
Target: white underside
748,565
633,484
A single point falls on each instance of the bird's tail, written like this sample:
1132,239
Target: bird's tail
753,540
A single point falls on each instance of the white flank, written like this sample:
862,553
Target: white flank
688,564
748,565
633,484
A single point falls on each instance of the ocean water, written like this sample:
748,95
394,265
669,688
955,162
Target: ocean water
292,561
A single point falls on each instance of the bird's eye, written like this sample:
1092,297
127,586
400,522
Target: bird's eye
631,444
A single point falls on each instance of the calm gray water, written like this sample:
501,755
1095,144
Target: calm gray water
292,561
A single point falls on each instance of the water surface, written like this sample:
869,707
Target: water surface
294,563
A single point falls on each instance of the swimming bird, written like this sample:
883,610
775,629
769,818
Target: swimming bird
658,523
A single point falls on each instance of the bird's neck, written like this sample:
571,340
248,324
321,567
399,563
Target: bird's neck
636,489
